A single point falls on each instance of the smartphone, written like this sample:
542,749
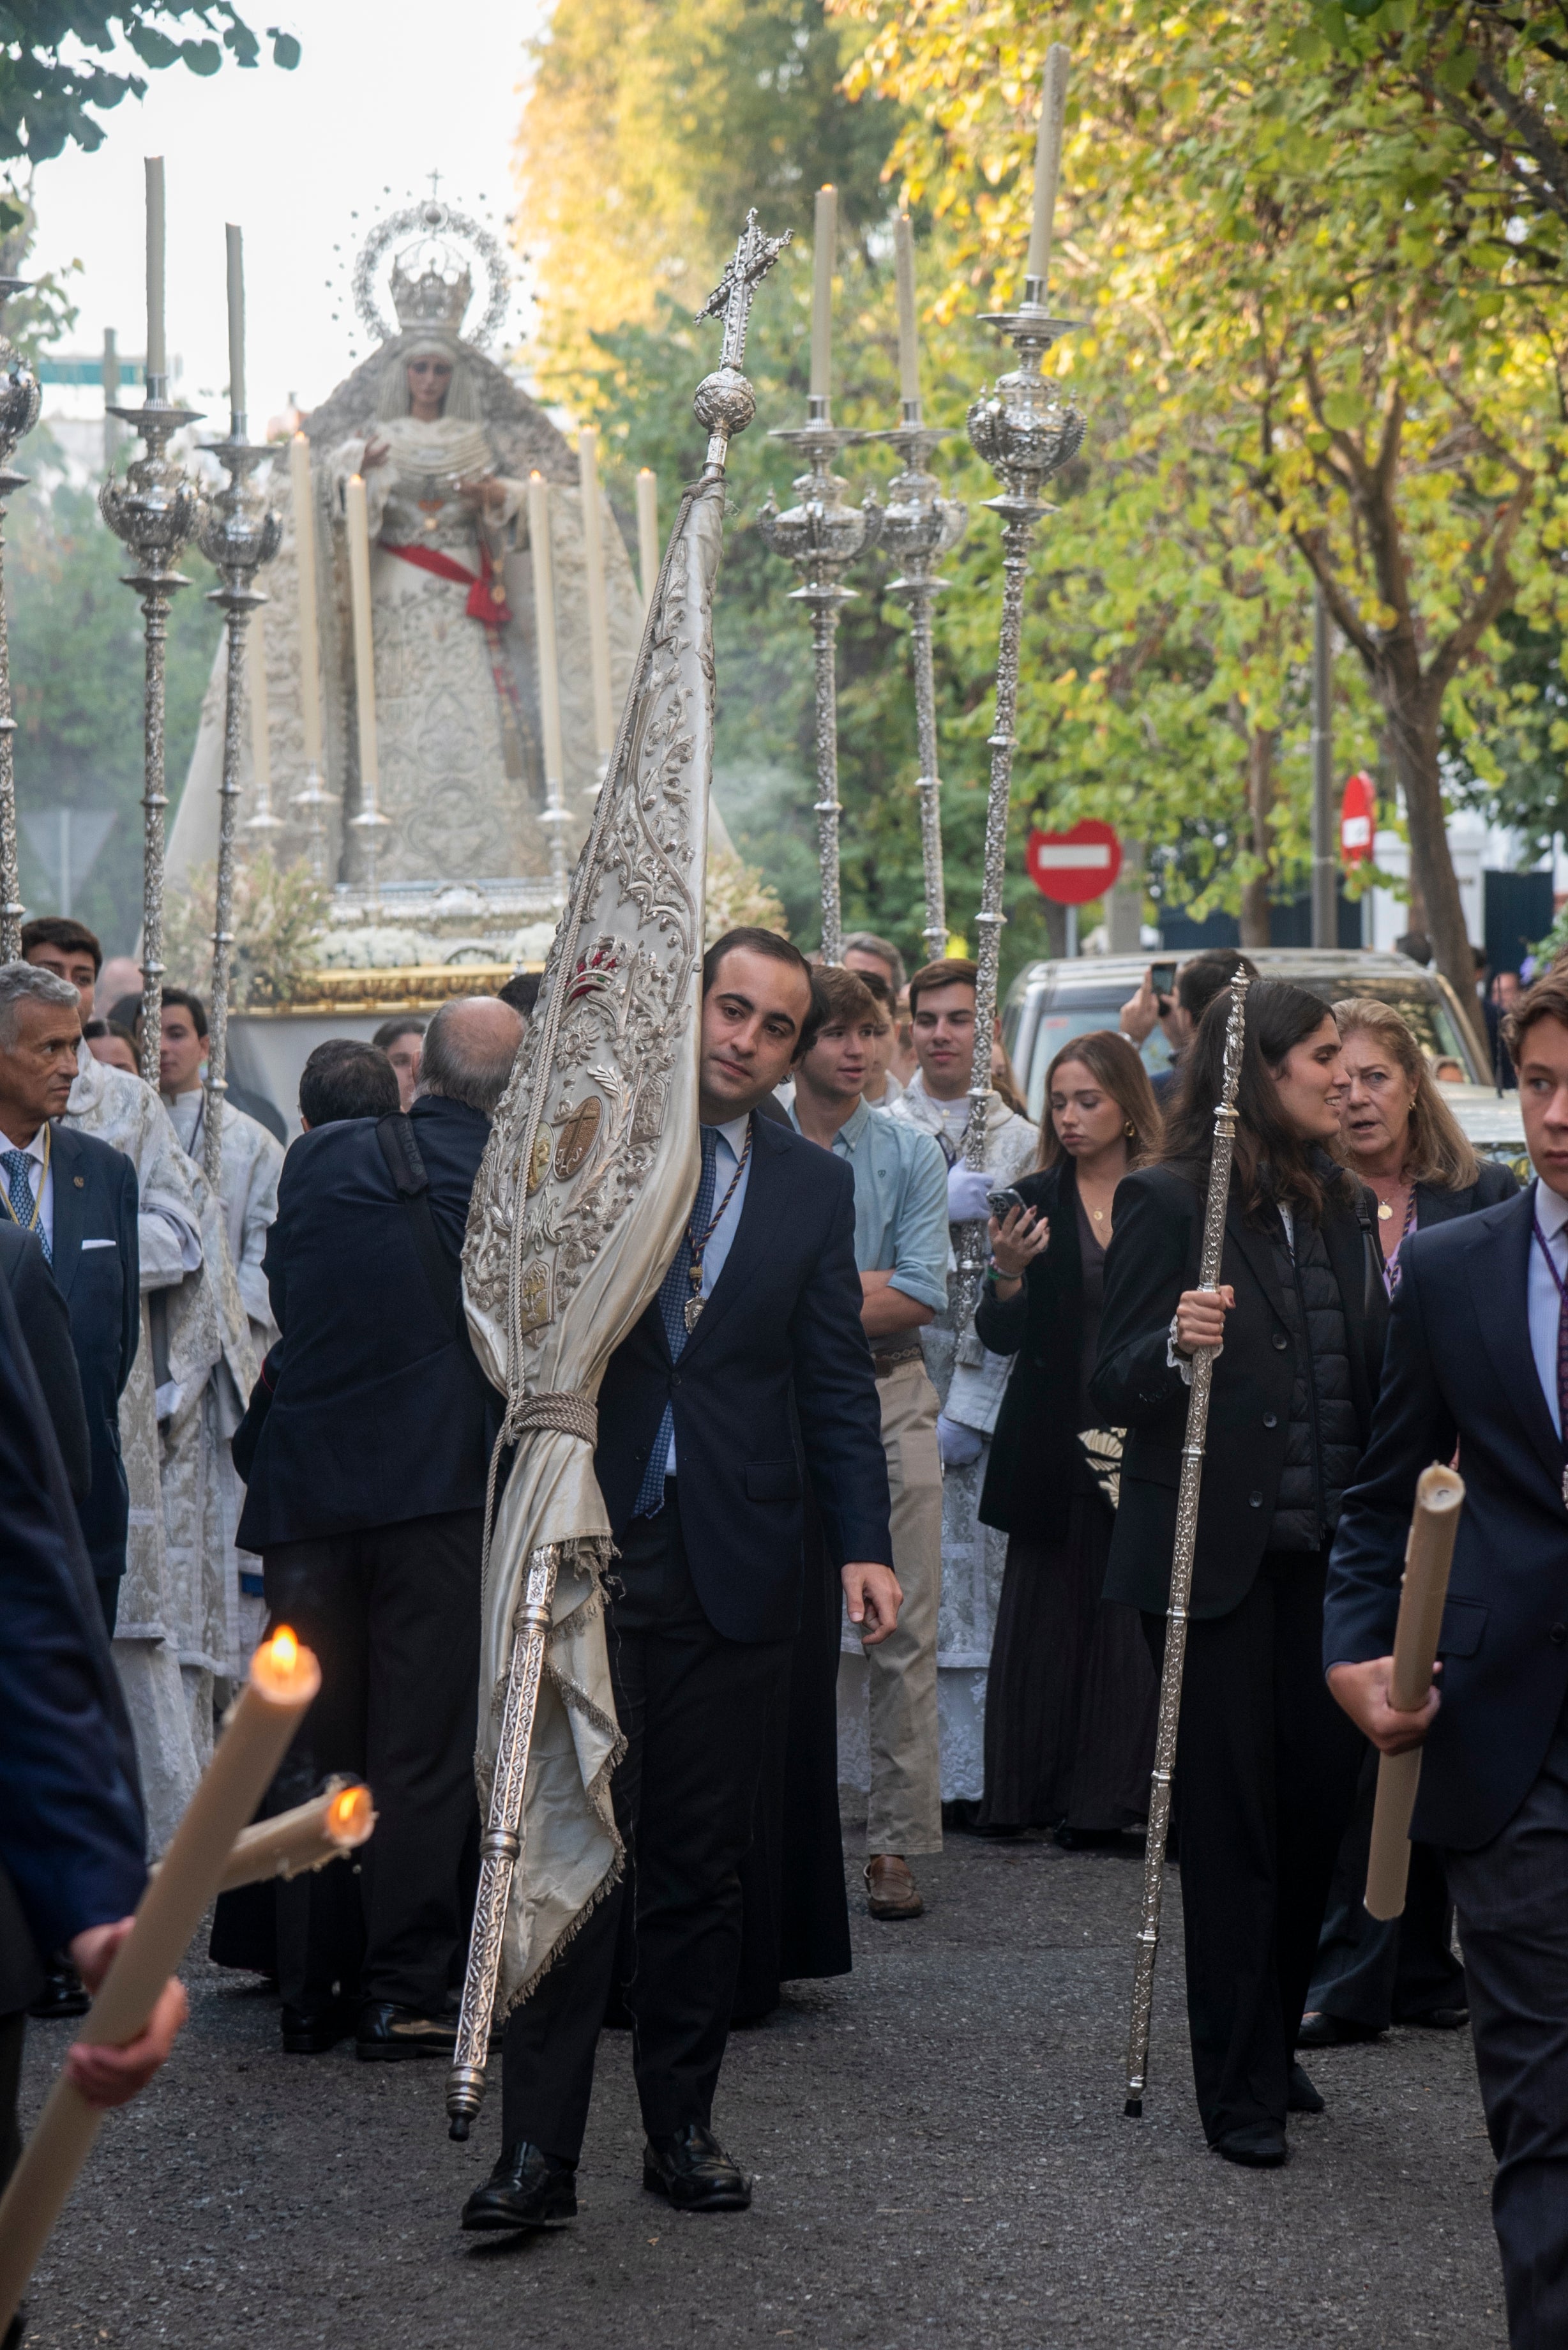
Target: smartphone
1002,1204
1162,978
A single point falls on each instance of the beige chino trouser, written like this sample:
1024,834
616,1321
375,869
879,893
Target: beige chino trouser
904,1813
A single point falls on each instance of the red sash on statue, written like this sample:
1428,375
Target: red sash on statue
487,597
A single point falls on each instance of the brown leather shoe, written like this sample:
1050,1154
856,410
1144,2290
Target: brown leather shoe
890,1887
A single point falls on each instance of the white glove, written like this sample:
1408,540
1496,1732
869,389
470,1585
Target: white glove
957,1444
967,1189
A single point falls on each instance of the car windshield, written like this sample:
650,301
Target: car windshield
1075,1007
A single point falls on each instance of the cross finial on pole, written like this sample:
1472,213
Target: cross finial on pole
732,296
435,187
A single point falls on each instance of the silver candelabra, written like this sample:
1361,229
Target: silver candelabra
19,397
238,534
155,510
919,528
1026,432
822,536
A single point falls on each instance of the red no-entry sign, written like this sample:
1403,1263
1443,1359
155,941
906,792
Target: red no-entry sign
1074,867
1357,813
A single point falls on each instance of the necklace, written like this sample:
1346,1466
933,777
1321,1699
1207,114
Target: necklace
695,1303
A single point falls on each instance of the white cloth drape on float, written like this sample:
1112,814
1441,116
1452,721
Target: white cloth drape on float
585,1187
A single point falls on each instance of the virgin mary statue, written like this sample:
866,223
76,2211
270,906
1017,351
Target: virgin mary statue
445,441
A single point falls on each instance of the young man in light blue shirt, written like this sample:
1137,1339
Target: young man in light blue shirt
901,1253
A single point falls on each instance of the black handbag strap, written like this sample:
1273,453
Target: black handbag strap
411,1183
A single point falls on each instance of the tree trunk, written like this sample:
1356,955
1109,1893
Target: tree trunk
1263,745
1413,744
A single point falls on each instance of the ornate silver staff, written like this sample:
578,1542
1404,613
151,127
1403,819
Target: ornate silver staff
19,397
237,537
677,630
919,528
822,536
155,510
1181,1563
1026,432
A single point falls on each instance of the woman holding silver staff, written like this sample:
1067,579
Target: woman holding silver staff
1399,1136
1266,1770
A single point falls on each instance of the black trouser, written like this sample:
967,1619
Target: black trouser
12,2031
1265,1777
1513,1901
393,1614
693,1708
1377,1971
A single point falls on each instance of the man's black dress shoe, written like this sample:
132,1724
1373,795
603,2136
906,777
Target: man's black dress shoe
1319,2029
1435,2019
311,2031
387,2033
63,1994
528,2188
1260,2146
693,2171
1301,2097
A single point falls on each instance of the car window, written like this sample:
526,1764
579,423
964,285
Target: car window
1076,1015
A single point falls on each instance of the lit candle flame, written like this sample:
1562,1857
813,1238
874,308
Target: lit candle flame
284,1671
284,1651
351,1816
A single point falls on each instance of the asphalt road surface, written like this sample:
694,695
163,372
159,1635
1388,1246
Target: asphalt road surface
941,2157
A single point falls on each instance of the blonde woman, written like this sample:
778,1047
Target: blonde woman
1401,1136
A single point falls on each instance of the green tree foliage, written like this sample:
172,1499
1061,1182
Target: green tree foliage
77,670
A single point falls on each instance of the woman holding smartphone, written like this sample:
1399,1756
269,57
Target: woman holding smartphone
1070,1698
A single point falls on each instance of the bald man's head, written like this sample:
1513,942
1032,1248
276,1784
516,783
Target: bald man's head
470,1047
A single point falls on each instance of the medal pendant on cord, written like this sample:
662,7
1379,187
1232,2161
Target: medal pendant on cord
694,1305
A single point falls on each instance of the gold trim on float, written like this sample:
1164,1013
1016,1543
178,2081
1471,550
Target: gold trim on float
407,987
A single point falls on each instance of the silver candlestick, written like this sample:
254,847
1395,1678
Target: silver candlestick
238,534
155,510
1026,432
919,528
19,397
822,536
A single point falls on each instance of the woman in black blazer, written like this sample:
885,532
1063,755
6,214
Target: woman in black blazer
1400,1138
1265,1775
1070,1695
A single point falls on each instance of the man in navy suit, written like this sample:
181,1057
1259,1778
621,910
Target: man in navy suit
72,1838
700,1477
77,1196
365,1452
1478,1355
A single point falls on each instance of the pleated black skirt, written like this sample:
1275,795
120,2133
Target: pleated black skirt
1070,1696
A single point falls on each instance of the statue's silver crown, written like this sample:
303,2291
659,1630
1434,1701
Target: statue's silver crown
435,295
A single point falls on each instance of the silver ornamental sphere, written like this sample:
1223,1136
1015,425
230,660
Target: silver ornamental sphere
918,523
1023,432
821,534
237,536
20,399
155,510
725,402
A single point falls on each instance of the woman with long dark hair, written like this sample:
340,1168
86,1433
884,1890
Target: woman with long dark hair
1069,1698
1399,1136
1266,1763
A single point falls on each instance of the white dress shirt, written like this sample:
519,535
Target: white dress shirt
38,1173
726,1158
1543,1297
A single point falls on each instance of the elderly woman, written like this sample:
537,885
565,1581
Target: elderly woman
1399,1136
1070,1696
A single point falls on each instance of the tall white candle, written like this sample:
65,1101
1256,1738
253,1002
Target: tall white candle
599,605
157,351
908,341
234,241
305,554
648,532
545,626
1048,157
826,237
285,1677
357,516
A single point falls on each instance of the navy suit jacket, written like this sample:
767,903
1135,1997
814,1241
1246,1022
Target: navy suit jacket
1459,1369
783,1317
46,1324
72,1838
375,1409
97,1270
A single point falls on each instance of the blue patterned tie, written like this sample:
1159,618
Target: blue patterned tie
674,1291
19,1191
